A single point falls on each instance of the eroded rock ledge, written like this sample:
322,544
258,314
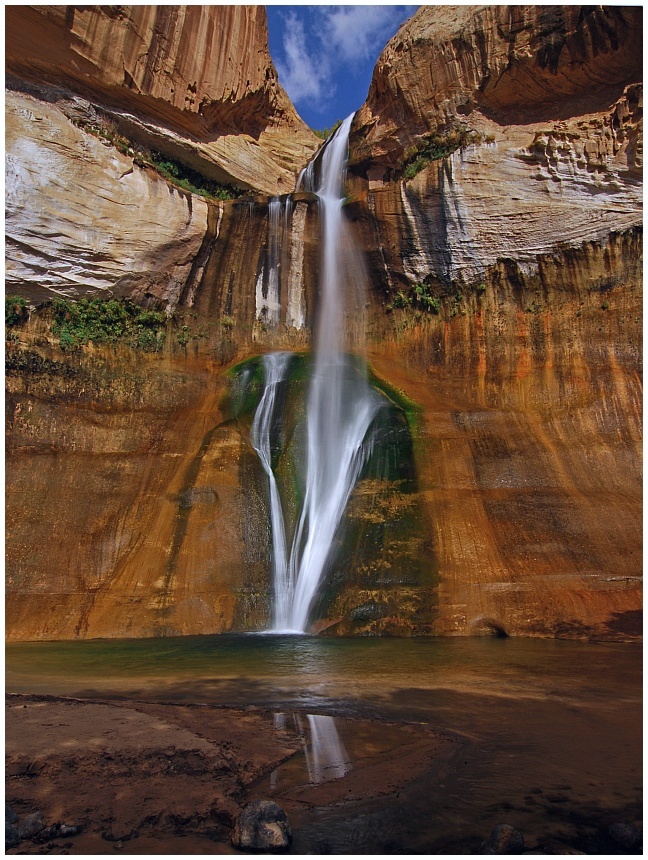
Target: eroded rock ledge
195,80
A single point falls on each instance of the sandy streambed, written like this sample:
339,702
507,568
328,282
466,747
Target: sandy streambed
161,778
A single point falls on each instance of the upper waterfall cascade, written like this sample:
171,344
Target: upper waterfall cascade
340,409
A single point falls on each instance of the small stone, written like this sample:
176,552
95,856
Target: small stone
504,839
627,835
69,829
12,837
262,826
31,825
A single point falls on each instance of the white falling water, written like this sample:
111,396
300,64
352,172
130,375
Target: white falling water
275,366
268,288
340,409
274,260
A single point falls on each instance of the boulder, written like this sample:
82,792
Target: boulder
504,839
31,825
262,826
627,835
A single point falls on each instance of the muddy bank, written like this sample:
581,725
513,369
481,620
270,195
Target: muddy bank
147,778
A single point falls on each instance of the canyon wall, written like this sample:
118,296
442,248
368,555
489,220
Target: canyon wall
504,316
91,88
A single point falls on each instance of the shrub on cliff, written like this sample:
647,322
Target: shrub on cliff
104,321
437,146
15,310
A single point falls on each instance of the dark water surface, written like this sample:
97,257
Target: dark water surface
547,734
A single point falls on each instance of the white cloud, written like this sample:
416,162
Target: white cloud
359,32
303,74
329,42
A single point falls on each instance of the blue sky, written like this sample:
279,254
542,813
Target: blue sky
325,55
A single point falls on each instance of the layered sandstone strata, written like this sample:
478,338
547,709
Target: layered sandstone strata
195,81
517,65
525,243
82,218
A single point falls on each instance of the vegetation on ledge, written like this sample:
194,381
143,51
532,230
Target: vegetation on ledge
437,146
16,311
76,323
325,133
168,168
107,321
432,299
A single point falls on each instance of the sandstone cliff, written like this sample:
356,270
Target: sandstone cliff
504,301
540,113
198,80
88,87
517,65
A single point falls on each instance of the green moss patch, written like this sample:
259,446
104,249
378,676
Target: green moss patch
16,312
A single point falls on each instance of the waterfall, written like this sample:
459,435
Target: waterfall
275,366
269,281
341,406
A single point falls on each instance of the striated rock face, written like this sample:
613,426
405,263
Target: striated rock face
557,184
82,218
529,454
195,83
514,64
525,241
551,109
194,80
131,513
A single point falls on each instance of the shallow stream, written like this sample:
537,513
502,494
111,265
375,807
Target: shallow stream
543,735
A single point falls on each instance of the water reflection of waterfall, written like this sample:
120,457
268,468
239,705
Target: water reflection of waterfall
341,405
324,752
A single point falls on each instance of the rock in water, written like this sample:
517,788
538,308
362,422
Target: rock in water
627,835
12,837
503,840
262,826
